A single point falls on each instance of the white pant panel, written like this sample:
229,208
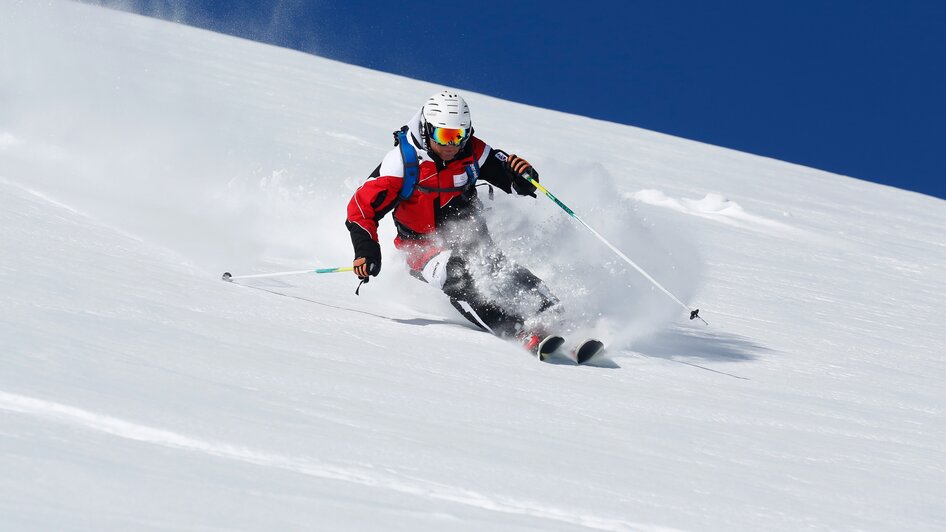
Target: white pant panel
435,271
466,306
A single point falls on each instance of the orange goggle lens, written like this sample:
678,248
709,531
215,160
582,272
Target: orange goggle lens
449,137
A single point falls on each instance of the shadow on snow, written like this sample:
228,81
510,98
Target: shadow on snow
682,345
558,360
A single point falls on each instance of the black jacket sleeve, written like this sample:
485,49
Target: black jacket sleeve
495,172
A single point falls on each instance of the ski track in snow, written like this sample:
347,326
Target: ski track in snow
61,413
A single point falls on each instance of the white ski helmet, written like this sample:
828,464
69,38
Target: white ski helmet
447,109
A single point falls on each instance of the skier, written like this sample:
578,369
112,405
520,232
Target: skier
429,182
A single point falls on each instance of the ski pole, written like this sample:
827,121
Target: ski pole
694,313
228,277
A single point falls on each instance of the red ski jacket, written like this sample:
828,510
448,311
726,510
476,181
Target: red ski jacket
444,192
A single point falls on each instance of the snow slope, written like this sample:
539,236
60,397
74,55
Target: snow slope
140,159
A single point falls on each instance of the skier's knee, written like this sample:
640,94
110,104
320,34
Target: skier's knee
458,282
435,271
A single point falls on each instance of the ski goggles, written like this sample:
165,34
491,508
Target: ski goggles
449,137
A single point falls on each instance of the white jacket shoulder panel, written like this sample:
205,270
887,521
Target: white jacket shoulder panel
393,165
485,155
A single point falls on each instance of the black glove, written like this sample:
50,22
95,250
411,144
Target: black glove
516,167
365,266
367,251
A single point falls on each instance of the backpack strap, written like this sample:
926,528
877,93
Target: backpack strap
411,168
472,173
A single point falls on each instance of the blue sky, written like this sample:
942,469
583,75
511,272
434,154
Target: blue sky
852,87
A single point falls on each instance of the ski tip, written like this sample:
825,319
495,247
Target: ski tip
540,346
226,276
548,346
588,350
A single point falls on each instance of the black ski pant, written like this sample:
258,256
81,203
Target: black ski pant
503,312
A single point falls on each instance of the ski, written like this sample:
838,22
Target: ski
588,351
547,346
541,347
